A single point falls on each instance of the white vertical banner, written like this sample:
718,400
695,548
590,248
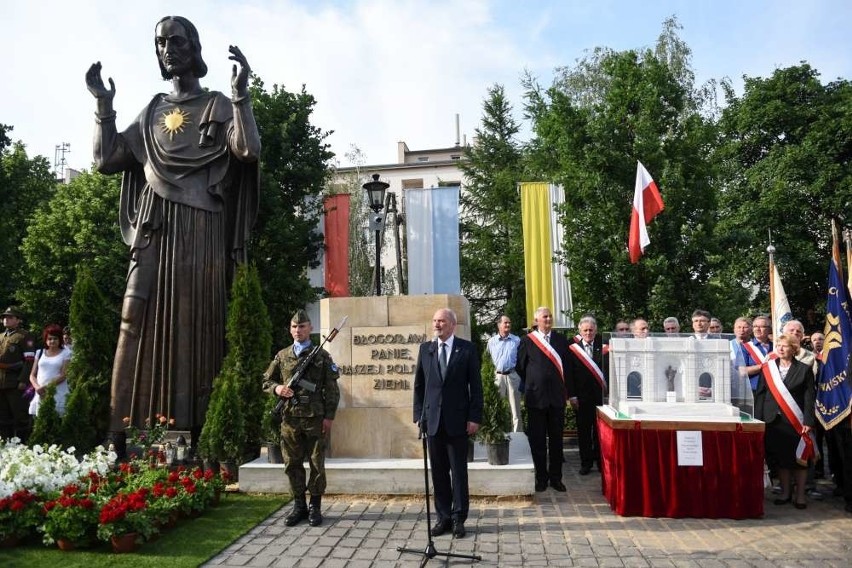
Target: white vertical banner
781,312
432,234
562,303
316,276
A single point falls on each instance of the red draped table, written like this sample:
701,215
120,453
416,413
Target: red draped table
641,476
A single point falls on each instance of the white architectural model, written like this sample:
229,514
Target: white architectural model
676,378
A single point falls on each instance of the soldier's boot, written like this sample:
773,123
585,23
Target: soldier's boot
315,511
299,512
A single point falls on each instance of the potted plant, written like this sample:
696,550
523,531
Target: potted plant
125,521
569,431
496,418
162,506
70,520
147,442
20,514
272,432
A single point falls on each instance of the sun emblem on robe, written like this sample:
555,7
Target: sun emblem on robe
174,121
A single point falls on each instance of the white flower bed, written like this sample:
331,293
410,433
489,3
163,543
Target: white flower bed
46,470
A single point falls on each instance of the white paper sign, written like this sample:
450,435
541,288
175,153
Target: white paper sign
689,449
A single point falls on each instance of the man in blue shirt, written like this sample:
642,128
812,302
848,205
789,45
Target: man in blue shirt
757,349
503,349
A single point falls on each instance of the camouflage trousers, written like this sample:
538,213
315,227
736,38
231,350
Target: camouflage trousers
14,418
301,438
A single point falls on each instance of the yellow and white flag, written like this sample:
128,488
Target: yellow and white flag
547,281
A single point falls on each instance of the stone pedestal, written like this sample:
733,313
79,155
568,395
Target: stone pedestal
377,354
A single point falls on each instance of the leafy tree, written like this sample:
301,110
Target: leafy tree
249,337
361,270
785,163
492,253
76,227
294,169
591,126
5,141
26,185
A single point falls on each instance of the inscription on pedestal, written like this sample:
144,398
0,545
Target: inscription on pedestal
388,357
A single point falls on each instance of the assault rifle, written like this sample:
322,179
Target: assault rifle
298,381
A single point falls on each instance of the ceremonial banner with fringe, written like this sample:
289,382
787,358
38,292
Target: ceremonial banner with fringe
546,279
834,392
781,313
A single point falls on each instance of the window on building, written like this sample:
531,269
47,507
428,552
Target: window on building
412,183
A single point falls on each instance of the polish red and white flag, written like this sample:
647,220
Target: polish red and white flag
647,202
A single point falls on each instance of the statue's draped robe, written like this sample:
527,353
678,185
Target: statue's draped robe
187,206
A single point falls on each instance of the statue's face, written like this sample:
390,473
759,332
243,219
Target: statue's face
174,48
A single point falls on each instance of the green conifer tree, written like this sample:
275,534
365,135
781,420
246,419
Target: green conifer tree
223,435
249,337
93,327
48,423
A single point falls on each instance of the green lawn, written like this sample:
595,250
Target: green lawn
191,543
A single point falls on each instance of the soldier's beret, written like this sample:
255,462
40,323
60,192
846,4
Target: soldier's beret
14,312
301,316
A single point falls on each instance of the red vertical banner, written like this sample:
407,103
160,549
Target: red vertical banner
336,209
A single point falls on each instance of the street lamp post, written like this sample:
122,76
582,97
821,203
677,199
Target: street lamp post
376,196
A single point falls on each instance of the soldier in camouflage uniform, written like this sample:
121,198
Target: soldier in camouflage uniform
306,419
17,351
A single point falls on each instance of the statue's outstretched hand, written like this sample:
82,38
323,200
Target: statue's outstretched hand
96,84
240,72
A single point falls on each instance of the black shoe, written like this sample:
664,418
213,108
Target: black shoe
558,485
540,486
314,511
458,529
783,501
585,470
441,527
298,514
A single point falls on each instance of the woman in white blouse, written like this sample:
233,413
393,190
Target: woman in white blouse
50,367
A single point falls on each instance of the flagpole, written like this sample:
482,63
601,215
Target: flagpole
771,250
847,239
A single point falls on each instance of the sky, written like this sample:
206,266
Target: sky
382,71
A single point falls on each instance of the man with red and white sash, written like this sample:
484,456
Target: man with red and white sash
758,349
784,400
542,363
587,383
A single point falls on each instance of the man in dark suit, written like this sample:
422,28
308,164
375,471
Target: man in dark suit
542,364
587,380
448,408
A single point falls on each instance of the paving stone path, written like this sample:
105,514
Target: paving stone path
576,528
